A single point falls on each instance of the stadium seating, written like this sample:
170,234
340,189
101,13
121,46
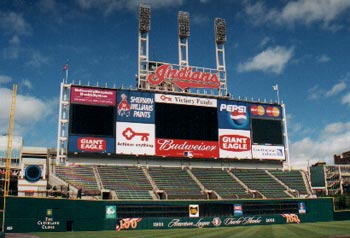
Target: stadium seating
127,182
259,180
81,177
293,179
176,182
220,182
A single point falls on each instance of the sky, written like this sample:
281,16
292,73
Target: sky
301,45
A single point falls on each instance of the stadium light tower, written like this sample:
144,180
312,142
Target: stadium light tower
143,45
220,39
184,33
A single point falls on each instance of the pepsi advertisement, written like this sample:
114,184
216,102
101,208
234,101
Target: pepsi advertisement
135,106
233,115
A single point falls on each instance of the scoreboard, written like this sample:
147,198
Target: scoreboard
113,121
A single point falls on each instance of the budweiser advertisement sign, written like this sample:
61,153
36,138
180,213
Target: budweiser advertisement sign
184,78
187,148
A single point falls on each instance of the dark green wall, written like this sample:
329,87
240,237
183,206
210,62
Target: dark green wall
43,214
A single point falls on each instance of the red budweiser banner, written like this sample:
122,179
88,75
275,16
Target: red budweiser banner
184,78
187,148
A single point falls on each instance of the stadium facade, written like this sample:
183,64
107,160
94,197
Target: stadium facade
179,151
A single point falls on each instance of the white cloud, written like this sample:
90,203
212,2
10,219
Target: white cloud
323,59
334,139
199,19
300,11
110,6
266,40
5,79
37,59
29,111
336,89
27,83
315,92
346,99
14,24
271,60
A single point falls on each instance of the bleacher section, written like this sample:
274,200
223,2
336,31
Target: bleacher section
262,182
127,182
220,182
81,177
293,179
131,182
176,182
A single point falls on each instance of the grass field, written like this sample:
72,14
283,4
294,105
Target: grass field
307,230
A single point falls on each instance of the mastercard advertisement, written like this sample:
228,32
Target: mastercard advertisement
266,111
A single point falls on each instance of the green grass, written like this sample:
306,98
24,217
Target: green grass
306,230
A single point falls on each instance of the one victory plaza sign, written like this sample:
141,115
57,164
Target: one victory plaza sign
184,78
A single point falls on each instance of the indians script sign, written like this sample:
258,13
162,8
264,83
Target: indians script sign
184,78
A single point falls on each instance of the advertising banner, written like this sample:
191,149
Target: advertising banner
266,111
302,207
187,148
193,210
135,138
233,115
111,211
204,222
184,100
92,96
235,144
237,210
268,152
135,106
91,144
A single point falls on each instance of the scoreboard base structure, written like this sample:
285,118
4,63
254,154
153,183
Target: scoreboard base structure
60,215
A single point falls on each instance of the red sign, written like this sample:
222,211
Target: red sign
95,96
187,148
92,144
236,143
184,78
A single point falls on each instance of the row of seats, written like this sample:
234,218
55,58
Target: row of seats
130,182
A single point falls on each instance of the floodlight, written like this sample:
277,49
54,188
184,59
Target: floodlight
144,18
184,24
220,30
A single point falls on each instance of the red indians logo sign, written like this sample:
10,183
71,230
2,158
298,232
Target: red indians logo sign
184,78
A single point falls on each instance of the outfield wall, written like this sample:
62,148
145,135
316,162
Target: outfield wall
39,214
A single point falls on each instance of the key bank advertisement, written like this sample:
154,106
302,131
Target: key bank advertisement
135,138
135,106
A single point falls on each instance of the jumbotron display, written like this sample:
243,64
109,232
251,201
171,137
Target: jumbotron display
113,121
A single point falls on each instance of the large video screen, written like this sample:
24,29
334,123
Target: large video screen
175,121
91,120
267,132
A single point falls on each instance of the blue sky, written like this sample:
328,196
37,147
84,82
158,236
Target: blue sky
301,45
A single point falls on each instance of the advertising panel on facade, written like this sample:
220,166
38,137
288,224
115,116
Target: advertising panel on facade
185,100
135,106
187,148
266,111
89,144
135,138
233,115
93,96
235,144
268,152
